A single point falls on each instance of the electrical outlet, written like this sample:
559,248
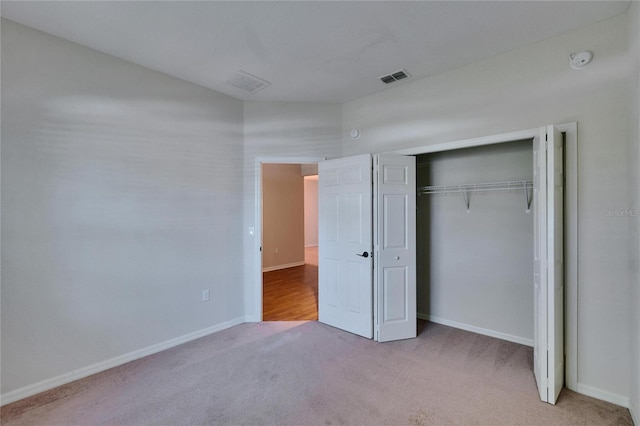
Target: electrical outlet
205,295
277,251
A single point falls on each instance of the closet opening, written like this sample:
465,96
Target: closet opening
475,233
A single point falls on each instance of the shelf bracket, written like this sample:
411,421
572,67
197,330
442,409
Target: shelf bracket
467,199
528,197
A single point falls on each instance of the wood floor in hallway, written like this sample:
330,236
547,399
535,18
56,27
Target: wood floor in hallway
291,294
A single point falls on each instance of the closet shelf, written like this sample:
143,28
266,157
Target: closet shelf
470,188
476,187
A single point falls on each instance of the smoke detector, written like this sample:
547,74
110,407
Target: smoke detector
247,82
580,60
395,76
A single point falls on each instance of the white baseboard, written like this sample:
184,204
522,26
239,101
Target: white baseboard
311,245
285,266
63,379
474,329
611,397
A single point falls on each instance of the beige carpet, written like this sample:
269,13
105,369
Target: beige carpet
309,373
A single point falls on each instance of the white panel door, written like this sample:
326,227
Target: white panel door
395,247
540,264
555,261
345,277
548,177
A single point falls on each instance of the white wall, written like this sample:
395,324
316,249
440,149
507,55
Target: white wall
523,89
120,204
310,211
475,268
280,130
634,204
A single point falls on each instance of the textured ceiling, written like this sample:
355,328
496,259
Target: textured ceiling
313,51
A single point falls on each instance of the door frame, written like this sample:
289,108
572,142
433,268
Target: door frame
258,215
570,130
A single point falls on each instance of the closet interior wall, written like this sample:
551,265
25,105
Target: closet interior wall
475,268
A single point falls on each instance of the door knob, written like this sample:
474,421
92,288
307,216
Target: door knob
364,254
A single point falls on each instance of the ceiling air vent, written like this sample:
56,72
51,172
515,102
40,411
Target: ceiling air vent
398,75
247,82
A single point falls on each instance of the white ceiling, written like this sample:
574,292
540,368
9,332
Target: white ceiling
313,51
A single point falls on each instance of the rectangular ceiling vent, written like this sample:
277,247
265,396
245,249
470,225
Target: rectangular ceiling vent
247,82
395,76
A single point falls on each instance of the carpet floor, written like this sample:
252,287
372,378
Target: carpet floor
306,373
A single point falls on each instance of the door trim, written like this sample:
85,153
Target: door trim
570,131
258,216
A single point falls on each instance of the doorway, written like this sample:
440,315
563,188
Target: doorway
289,267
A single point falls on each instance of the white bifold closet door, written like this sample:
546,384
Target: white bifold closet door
395,247
367,285
548,193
